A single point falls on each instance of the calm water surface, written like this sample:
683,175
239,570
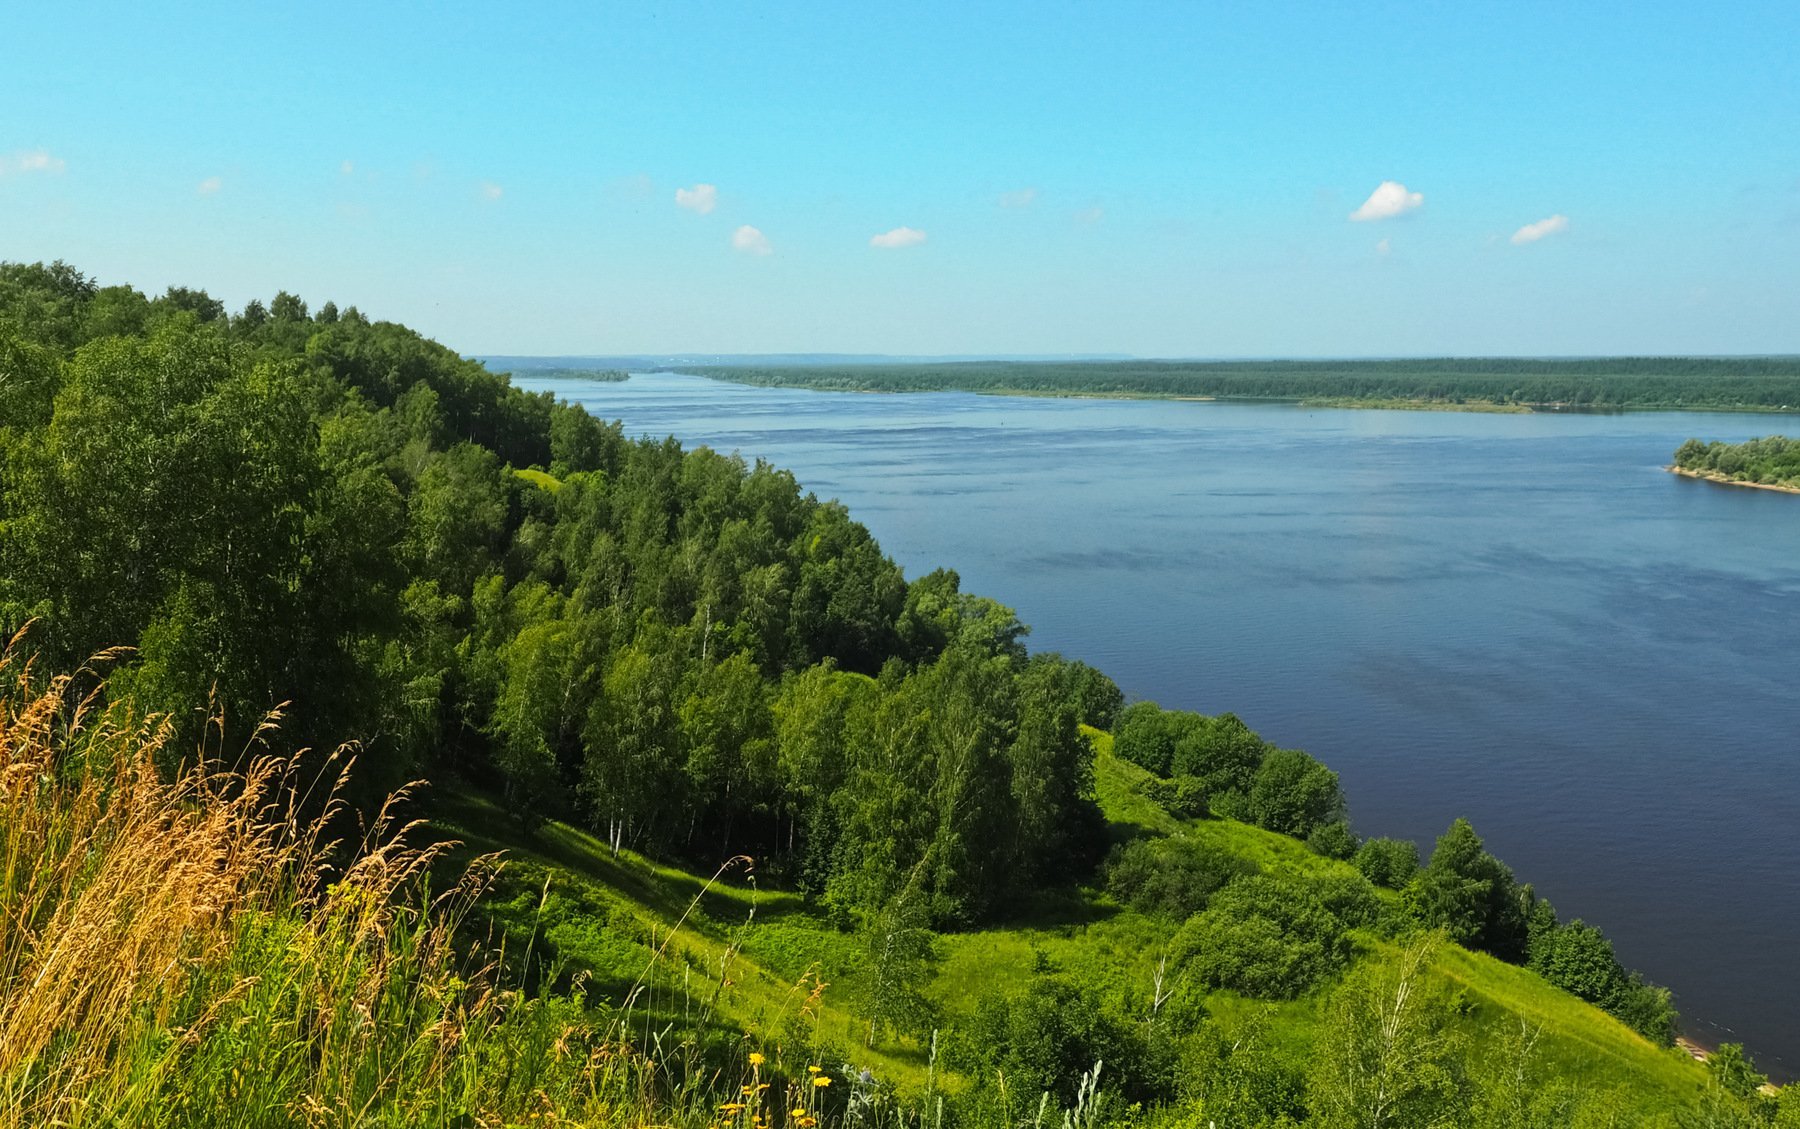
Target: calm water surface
1520,619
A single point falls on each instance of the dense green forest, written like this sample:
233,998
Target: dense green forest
1770,461
1739,383
629,662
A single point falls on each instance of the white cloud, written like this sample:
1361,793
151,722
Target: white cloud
1389,199
1385,247
347,167
1532,232
1019,198
210,185
751,241
1088,217
702,198
491,191
32,160
899,237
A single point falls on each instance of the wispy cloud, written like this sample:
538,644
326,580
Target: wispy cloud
751,241
32,160
491,191
1389,199
210,186
899,237
1532,232
347,167
1018,198
702,198
1088,217
1385,247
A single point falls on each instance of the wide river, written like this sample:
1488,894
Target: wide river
1521,619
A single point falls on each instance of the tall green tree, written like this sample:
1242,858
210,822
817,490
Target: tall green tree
1471,895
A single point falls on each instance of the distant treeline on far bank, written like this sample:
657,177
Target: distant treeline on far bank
1712,384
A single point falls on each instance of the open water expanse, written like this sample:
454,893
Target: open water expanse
1521,619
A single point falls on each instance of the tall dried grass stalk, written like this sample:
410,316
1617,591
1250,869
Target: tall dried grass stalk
192,947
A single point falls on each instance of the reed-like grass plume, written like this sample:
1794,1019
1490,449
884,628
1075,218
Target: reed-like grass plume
194,947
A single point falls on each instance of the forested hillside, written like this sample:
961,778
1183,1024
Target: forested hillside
628,663
1605,383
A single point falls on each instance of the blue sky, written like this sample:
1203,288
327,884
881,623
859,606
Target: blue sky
1156,179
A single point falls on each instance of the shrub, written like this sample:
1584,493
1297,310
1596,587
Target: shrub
1173,877
1183,797
1388,862
1144,737
1334,840
1043,1039
1265,938
1293,793
1222,751
1350,898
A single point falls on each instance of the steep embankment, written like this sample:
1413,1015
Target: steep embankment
728,954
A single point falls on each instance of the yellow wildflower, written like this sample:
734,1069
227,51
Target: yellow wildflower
821,1081
812,1070
756,1058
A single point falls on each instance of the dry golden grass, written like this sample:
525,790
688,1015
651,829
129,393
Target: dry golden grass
141,910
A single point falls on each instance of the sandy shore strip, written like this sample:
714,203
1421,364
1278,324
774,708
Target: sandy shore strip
1711,476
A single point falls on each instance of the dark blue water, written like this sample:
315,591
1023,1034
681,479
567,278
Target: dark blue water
1521,619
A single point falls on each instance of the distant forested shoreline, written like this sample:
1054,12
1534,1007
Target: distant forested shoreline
1762,384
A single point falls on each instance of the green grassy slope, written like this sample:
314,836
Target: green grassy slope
1587,1045
746,958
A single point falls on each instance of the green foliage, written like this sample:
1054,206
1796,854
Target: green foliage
1263,937
1470,894
899,952
1183,797
1221,754
1771,461
1294,794
1237,1077
1334,840
1732,1069
1173,877
1224,753
1043,1039
1387,1055
1144,738
1388,862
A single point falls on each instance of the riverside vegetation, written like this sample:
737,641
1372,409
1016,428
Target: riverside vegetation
1771,461
1471,384
984,891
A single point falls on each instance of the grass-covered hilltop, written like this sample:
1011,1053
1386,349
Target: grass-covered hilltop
1773,462
1765,384
645,790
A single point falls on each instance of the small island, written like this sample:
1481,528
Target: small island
1770,463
